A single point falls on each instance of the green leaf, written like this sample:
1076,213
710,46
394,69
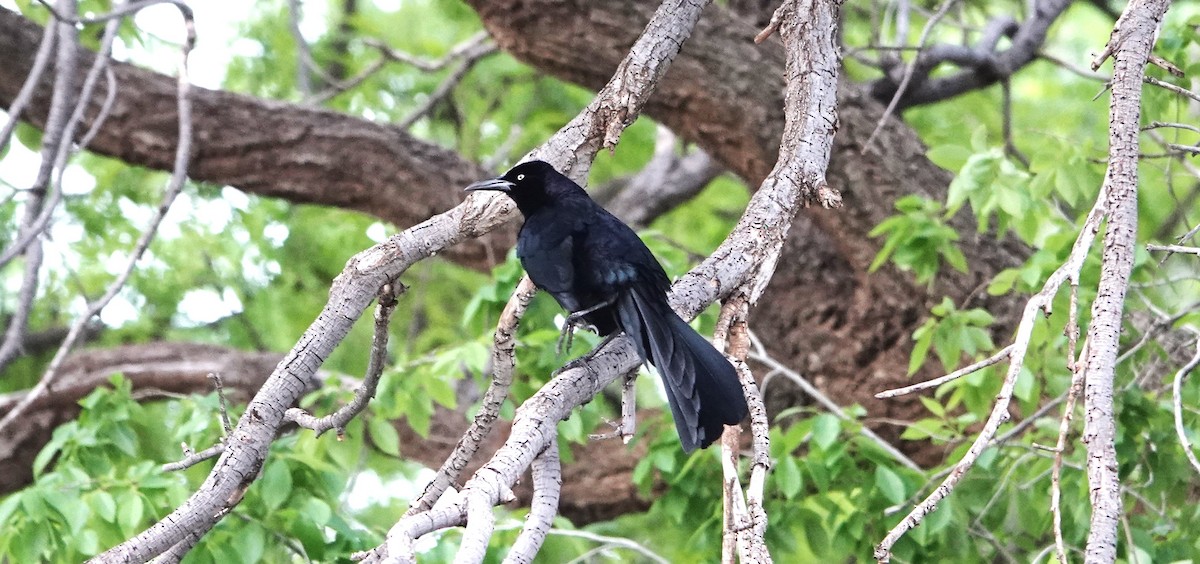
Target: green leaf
949,157
924,337
890,484
317,510
132,509
788,477
933,406
825,430
276,484
1023,389
8,506
73,510
954,257
384,435
87,542
104,505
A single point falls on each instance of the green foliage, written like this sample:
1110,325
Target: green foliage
261,268
951,333
918,239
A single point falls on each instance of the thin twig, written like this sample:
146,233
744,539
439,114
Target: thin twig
122,11
503,364
1177,402
476,46
1077,376
304,57
40,61
1172,88
909,70
192,458
174,186
832,407
617,542
221,402
375,363
1174,249
1000,355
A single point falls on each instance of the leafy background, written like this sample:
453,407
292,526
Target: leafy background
236,269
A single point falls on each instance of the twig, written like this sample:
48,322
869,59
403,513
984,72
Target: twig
362,396
1172,88
832,407
444,88
503,364
1063,63
223,405
908,72
1010,146
174,186
193,458
776,18
547,486
476,46
40,60
1177,402
1078,371
609,541
122,11
1174,249
1000,355
304,55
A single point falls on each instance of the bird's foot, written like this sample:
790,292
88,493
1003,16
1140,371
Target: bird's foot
565,338
570,365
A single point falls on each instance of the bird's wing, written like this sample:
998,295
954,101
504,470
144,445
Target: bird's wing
615,258
547,260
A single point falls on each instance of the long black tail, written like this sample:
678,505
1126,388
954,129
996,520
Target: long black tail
702,387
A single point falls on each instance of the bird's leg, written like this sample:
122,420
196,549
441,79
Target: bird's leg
575,363
568,330
624,428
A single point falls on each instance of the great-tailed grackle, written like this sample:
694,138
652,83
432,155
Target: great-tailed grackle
599,270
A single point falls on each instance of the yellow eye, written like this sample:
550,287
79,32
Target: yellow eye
520,177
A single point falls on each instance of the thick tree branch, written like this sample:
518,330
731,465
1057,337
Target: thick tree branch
983,66
1130,44
277,149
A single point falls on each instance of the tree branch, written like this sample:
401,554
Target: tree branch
1131,43
985,67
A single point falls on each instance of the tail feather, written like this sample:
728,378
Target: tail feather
702,387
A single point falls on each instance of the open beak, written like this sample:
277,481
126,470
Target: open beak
497,184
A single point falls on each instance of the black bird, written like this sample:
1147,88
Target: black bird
598,269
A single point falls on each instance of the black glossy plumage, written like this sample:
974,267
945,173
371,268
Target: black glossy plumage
584,256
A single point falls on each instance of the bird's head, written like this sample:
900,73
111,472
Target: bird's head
530,184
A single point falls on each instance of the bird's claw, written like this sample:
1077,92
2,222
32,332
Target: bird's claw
565,338
568,366
568,333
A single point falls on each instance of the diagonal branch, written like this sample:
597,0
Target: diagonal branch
570,150
798,179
